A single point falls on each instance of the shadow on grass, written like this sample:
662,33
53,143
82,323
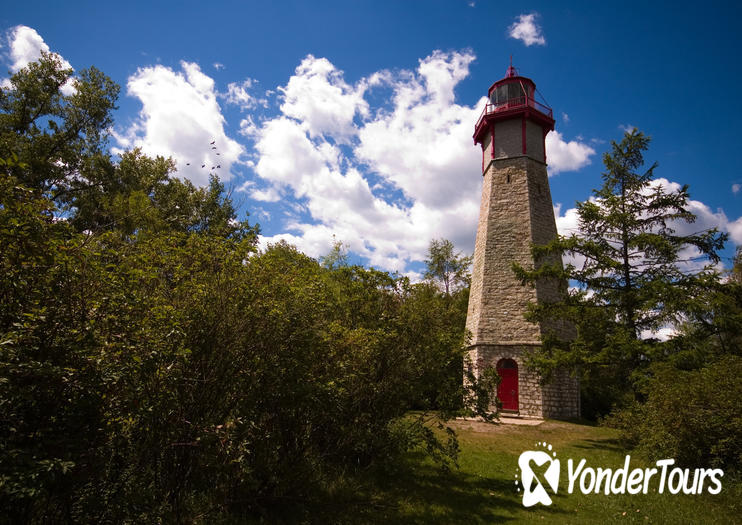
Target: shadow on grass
421,492
611,444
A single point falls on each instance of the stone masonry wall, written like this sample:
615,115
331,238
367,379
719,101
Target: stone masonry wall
535,141
508,139
515,212
559,398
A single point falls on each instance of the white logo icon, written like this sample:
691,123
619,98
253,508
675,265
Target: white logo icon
534,489
538,473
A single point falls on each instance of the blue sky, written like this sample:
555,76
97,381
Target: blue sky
354,119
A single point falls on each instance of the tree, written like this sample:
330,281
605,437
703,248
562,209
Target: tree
338,256
154,367
633,273
736,273
692,416
58,135
449,269
60,141
140,194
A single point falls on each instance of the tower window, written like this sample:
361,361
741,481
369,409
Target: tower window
508,178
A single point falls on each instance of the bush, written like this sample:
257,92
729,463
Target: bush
693,416
174,376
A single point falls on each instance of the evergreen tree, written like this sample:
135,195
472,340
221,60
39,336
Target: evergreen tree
632,274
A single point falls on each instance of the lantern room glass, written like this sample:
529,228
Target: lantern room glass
513,92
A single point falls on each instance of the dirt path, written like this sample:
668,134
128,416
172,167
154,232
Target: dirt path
504,424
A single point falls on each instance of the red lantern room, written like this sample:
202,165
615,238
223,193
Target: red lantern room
513,123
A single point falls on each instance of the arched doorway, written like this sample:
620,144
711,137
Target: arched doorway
507,390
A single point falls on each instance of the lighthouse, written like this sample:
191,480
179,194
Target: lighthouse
516,212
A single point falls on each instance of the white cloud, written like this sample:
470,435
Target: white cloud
420,151
180,117
266,195
568,223
736,188
735,231
238,94
706,219
261,214
565,118
318,97
385,180
566,155
527,30
248,128
340,201
663,334
25,46
219,66
423,146
626,128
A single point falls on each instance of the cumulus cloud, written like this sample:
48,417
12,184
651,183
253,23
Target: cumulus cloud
318,97
565,155
384,182
384,178
527,30
706,219
423,145
238,94
339,200
25,45
736,188
180,117
735,231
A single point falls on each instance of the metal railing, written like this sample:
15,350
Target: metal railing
515,103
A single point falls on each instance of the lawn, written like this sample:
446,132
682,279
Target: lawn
483,489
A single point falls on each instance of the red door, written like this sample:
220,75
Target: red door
507,390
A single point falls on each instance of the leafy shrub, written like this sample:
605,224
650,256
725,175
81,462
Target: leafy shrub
177,376
693,416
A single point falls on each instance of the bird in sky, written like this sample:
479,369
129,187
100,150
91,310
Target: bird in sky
203,165
212,142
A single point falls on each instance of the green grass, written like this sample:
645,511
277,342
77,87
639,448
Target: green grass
483,490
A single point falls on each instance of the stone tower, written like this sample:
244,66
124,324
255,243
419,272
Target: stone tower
516,212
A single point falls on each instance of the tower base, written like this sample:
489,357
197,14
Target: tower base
557,399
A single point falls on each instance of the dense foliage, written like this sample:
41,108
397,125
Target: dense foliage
631,275
183,373
635,274
692,416
155,366
691,409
